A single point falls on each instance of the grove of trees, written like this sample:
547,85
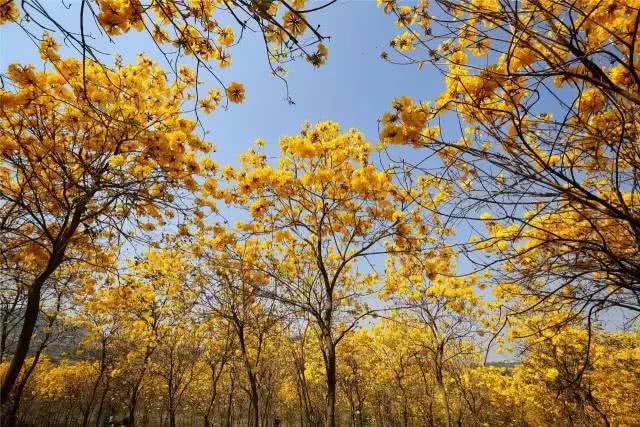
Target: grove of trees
478,264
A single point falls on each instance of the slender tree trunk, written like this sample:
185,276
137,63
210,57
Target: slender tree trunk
5,325
360,407
445,397
87,412
145,416
405,409
24,341
266,410
215,377
346,389
94,390
133,401
101,406
33,306
172,404
12,418
229,404
301,408
230,401
67,415
254,413
254,420
330,367
304,394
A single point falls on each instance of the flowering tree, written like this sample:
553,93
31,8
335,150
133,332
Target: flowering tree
546,96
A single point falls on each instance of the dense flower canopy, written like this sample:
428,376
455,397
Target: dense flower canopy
475,262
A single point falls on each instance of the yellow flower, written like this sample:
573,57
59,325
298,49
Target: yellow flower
212,100
319,57
235,92
294,23
226,36
228,172
117,161
397,216
620,75
404,42
8,12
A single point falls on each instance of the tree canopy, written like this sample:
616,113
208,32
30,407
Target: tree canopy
474,262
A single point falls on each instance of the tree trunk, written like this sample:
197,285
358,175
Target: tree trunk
94,390
330,367
445,398
4,333
215,376
133,402
229,405
405,408
230,401
254,420
254,413
101,406
24,341
12,417
172,405
439,371
33,306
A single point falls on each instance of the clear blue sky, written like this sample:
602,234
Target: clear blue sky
354,88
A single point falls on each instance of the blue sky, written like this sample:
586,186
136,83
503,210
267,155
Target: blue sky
354,88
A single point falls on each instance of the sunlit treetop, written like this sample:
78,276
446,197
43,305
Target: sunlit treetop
545,95
204,30
497,78
84,154
430,277
323,173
